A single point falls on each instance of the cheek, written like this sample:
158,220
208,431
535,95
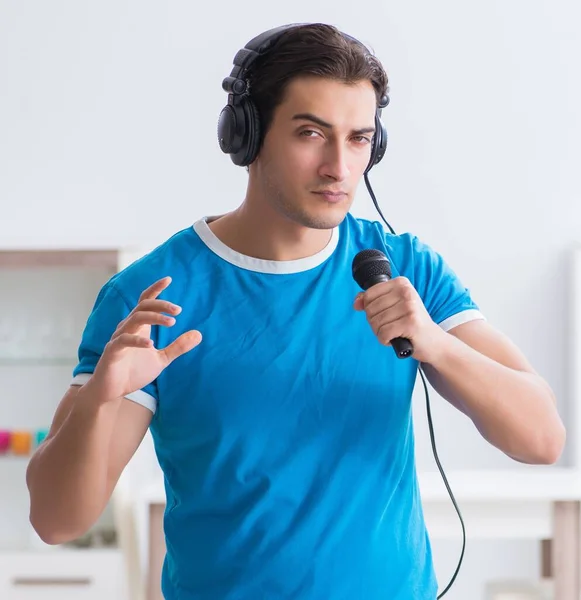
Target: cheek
294,167
360,159
288,157
304,160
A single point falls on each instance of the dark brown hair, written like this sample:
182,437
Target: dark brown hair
313,49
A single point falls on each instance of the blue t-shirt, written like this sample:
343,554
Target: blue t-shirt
286,437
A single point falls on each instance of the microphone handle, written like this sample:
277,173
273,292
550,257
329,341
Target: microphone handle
402,347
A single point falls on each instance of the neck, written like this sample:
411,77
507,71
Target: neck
256,229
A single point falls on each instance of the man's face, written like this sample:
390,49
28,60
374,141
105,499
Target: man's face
316,150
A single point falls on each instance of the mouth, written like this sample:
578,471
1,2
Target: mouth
331,196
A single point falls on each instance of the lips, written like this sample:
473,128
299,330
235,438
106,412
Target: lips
331,196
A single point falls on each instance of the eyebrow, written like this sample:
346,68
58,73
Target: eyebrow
321,123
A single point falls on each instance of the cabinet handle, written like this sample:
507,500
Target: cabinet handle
51,581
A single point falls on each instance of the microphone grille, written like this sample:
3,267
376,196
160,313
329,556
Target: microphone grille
368,264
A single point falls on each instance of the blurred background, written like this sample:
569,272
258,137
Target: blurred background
108,116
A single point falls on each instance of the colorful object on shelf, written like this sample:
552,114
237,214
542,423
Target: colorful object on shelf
5,437
21,442
40,436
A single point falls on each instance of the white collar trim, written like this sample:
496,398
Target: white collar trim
276,267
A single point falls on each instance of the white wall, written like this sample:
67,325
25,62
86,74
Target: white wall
108,118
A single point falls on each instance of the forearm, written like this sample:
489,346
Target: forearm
67,476
514,410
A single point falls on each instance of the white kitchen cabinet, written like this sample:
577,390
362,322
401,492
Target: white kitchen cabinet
45,299
62,574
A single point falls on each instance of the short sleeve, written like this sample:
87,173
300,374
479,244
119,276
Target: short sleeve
446,299
109,309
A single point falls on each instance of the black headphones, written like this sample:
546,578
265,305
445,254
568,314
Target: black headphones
239,132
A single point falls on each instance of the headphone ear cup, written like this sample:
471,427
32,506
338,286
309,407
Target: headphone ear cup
239,130
230,129
253,137
379,143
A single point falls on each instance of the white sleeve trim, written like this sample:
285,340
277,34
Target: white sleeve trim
139,397
462,317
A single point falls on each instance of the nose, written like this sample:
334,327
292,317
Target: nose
335,164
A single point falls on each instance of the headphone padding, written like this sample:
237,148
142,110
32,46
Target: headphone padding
253,132
379,143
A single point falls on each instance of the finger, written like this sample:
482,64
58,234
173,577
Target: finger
160,306
155,289
137,320
358,303
381,304
400,291
128,340
389,331
378,290
186,342
398,285
388,317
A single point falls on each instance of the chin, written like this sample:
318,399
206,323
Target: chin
325,219
315,215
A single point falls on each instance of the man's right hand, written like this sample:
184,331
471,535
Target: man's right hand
130,361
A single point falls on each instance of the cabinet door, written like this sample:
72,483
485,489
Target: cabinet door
89,575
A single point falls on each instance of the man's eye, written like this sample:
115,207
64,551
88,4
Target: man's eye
362,139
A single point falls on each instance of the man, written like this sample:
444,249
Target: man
285,435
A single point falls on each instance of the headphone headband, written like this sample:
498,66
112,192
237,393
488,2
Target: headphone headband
257,46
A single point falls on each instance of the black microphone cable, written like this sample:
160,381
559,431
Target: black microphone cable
430,424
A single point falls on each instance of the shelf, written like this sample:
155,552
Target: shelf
59,258
514,485
523,484
39,361
68,552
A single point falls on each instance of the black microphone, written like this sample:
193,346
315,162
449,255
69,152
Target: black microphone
370,267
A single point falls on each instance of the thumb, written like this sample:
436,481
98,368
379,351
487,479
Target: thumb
358,303
186,342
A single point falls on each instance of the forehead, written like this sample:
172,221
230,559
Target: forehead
339,103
